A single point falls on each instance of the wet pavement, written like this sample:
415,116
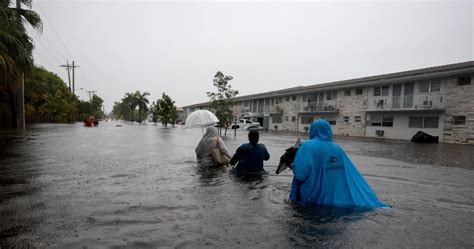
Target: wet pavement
138,186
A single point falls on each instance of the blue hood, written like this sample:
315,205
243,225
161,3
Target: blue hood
320,129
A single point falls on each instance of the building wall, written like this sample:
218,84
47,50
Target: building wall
352,106
459,101
401,129
289,115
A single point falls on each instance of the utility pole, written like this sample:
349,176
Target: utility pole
68,67
73,82
21,99
91,93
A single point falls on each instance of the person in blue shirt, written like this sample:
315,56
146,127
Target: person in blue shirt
250,156
324,174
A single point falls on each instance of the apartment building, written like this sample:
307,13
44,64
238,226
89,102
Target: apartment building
436,100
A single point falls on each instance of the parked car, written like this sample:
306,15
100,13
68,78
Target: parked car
245,124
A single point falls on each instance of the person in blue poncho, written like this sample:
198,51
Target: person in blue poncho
324,174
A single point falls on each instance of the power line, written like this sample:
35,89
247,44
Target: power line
57,60
52,27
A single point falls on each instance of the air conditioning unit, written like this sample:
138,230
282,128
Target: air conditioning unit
379,133
427,103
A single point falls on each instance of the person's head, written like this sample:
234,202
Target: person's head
253,137
320,129
211,131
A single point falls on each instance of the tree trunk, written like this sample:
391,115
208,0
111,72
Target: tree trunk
132,115
225,131
14,122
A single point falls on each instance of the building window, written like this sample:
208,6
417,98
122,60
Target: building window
359,91
381,90
287,98
464,80
423,122
287,118
246,103
331,95
430,86
459,120
376,121
293,97
332,122
293,119
415,122
276,119
431,122
347,92
271,101
381,121
357,119
387,121
306,120
345,119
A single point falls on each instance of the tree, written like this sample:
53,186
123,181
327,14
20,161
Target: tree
129,100
222,100
15,50
142,102
166,110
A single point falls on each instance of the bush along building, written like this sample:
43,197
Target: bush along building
436,100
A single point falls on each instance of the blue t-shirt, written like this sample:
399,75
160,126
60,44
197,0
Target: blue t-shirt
250,158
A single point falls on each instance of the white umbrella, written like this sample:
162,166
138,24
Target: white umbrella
200,118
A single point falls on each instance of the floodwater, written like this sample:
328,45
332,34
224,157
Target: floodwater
138,186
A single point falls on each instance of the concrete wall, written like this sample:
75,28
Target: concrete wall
459,101
351,106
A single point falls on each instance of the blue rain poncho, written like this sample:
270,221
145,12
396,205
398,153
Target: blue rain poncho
324,174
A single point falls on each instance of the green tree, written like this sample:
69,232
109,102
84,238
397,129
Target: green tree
58,106
166,110
129,100
15,50
222,100
141,101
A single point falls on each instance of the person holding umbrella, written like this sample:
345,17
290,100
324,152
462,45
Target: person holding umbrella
209,141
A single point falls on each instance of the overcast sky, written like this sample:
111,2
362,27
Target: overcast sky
157,46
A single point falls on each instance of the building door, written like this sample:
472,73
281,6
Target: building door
397,92
408,96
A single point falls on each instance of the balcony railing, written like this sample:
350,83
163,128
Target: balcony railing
408,102
319,107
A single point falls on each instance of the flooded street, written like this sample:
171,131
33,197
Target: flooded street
140,186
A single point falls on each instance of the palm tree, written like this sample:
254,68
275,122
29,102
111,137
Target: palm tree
15,49
130,101
141,101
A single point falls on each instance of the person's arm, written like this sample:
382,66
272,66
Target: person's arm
223,148
237,156
266,155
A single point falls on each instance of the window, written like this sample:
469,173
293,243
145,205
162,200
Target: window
246,103
271,101
381,90
276,119
357,119
459,120
321,97
347,92
381,121
464,80
306,120
423,122
293,97
332,122
377,91
376,121
385,90
345,119
387,121
293,119
430,86
331,95
415,122
431,122
287,118
287,98
359,91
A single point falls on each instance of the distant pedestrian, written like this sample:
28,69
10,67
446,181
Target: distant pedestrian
209,141
249,157
324,174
